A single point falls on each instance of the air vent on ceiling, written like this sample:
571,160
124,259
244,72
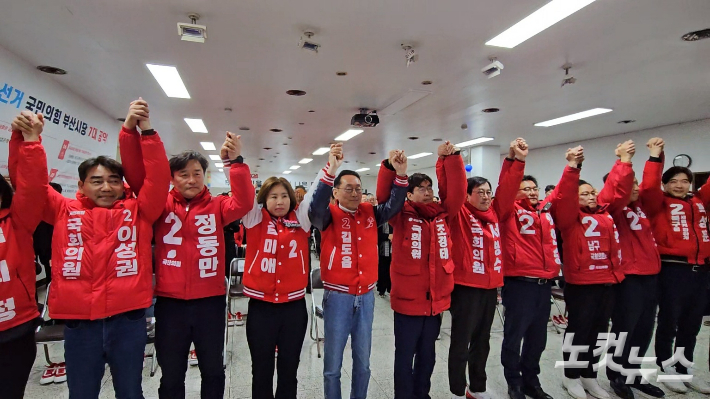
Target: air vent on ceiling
697,35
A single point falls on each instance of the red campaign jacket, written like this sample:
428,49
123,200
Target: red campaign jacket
102,256
189,236
477,250
590,241
17,224
422,265
530,242
679,225
639,254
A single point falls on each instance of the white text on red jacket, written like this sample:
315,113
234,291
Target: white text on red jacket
703,222
477,245
346,245
71,268
495,232
416,240
207,244
127,264
7,306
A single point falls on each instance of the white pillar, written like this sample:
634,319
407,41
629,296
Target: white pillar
485,162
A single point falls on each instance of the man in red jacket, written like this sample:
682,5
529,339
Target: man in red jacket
190,269
20,213
349,265
680,227
422,271
591,259
636,297
531,260
478,258
102,282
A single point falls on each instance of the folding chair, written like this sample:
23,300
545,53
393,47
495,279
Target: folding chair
49,332
150,330
316,311
226,324
558,294
234,282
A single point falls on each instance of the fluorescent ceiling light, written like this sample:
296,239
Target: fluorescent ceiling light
420,155
362,169
287,172
208,146
321,151
348,135
405,101
574,117
378,165
169,80
215,158
294,167
219,165
473,142
550,14
221,170
305,160
196,125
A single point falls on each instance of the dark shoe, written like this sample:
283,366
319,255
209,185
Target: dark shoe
648,389
515,392
621,389
536,393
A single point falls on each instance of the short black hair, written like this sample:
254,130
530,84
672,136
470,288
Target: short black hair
549,187
583,182
299,186
6,193
180,161
530,178
109,163
56,186
346,172
416,179
474,182
675,170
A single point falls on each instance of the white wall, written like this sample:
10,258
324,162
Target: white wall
66,148
218,182
692,138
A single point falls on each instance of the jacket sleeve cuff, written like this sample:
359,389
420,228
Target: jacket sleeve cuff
129,131
327,177
229,162
401,181
655,159
387,164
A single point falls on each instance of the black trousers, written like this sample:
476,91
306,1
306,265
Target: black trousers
589,309
384,282
16,359
527,310
682,294
635,314
270,325
179,323
472,311
415,344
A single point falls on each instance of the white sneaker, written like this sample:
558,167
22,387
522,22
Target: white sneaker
592,386
697,384
192,361
458,397
675,386
574,388
478,395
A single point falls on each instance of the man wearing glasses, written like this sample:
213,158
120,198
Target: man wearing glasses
479,271
349,264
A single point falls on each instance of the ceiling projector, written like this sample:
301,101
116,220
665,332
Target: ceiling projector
365,119
192,32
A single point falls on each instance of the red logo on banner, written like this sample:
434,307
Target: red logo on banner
254,175
63,151
53,174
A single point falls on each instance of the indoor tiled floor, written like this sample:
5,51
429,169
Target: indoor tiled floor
381,384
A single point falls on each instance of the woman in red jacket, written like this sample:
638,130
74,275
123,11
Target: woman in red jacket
421,270
680,227
478,258
19,216
275,279
591,259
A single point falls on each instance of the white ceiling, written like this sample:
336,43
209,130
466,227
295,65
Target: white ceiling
627,55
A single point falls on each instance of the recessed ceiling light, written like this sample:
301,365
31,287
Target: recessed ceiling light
284,143
426,82
372,153
321,151
420,155
626,122
301,123
413,138
121,119
574,117
262,159
305,160
543,18
437,139
491,110
294,167
296,93
208,146
221,170
362,169
312,111
244,128
697,35
219,165
341,73
348,135
196,125
52,70
267,148
169,80
469,143
287,172
276,130
215,157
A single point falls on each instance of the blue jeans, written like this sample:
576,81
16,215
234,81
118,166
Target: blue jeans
90,344
347,315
